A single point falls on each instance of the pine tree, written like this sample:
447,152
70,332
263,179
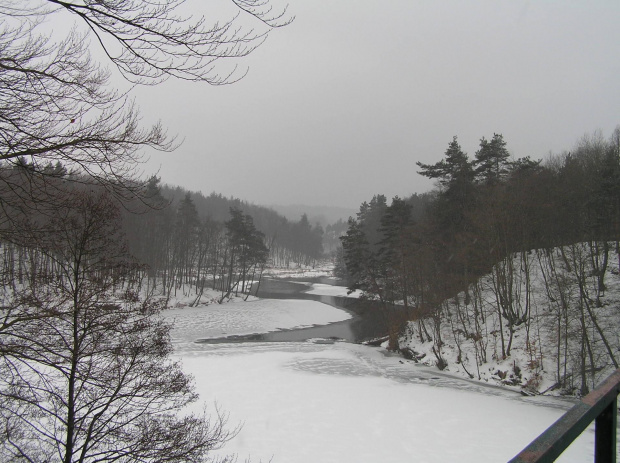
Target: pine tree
456,177
395,225
246,251
491,163
362,248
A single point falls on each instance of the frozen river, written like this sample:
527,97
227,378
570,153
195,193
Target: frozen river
310,401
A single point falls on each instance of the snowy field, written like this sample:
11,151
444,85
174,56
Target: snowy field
308,402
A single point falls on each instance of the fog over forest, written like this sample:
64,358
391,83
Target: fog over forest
341,104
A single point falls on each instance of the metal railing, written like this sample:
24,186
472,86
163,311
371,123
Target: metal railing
601,406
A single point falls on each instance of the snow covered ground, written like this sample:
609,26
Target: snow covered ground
533,354
309,402
252,317
329,290
322,270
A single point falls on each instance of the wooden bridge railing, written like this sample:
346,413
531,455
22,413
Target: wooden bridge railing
600,405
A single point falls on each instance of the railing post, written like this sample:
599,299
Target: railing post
605,434
600,406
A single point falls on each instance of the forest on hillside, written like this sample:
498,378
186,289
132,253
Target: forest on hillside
190,242
511,221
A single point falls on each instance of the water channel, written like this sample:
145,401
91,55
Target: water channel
326,396
366,323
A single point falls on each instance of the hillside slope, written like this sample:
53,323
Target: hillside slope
562,307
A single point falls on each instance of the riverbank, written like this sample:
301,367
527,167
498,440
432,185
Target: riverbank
564,340
302,402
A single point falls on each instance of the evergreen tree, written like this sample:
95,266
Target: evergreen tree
456,177
246,251
491,163
362,248
395,225
451,171
185,239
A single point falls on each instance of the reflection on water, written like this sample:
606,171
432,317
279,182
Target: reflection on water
366,322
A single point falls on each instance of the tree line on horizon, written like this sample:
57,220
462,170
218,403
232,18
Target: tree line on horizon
493,215
290,242
191,242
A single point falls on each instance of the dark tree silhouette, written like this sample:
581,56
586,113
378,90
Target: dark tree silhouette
85,369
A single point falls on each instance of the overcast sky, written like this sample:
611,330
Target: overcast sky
339,105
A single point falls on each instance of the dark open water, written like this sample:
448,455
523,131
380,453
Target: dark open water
366,323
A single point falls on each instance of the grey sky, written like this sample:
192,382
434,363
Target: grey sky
340,105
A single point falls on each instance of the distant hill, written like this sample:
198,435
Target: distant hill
289,240
324,215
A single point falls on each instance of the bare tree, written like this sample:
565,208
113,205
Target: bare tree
151,41
87,377
84,368
57,103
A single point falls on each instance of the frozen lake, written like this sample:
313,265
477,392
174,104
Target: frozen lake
309,401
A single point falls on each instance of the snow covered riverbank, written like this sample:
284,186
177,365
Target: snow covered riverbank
330,290
562,306
308,402
252,317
